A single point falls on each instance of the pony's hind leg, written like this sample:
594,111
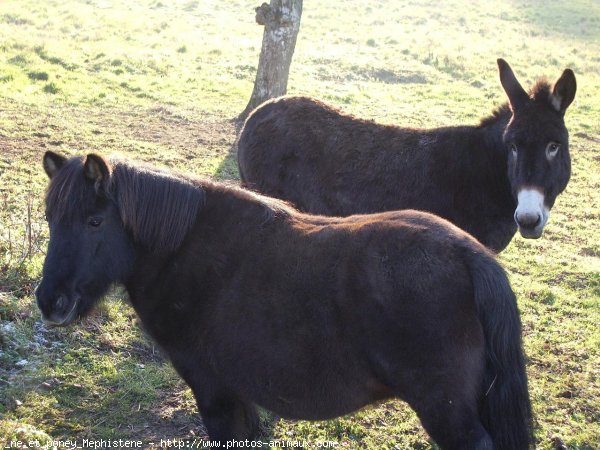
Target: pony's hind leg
454,426
446,401
445,394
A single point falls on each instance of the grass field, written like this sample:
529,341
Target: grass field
160,81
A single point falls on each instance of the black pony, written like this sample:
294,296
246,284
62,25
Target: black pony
310,317
485,179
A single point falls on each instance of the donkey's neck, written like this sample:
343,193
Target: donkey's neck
493,126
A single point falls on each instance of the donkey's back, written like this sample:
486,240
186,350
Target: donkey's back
292,147
327,162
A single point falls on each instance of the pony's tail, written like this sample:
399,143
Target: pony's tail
504,408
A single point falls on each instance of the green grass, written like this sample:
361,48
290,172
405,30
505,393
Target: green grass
161,81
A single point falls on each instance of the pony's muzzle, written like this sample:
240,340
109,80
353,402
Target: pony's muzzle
58,309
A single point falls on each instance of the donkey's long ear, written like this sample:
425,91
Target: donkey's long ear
97,169
515,92
52,163
563,91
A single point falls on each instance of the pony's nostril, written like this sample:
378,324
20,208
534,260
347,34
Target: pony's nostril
61,301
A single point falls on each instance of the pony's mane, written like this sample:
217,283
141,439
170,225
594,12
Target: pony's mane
158,207
271,207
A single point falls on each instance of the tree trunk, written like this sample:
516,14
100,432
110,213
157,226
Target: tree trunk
281,20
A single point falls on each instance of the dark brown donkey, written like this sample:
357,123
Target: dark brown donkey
486,179
310,317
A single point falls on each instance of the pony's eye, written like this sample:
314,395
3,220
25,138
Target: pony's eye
94,221
552,150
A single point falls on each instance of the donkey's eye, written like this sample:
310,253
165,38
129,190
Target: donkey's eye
552,150
94,221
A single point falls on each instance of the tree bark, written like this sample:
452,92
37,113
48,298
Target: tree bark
281,19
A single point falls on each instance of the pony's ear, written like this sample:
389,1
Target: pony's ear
97,169
515,92
563,91
52,163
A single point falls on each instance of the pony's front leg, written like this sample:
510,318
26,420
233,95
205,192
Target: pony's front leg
225,416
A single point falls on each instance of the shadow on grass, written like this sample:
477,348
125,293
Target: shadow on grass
228,167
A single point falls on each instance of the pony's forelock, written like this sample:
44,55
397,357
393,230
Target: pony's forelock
68,191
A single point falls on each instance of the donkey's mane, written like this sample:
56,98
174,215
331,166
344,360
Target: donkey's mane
540,92
498,113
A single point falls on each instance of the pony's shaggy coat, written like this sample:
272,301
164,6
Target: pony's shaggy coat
310,317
